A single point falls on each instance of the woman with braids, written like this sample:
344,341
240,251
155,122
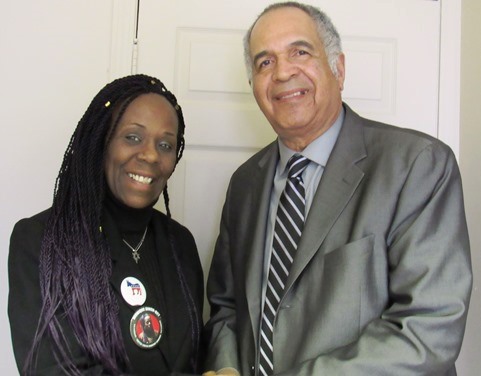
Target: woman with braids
102,283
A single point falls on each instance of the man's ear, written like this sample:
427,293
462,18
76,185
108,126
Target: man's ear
341,71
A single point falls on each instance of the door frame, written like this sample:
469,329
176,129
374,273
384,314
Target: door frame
449,121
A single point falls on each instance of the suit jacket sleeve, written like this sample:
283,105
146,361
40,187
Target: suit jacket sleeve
429,282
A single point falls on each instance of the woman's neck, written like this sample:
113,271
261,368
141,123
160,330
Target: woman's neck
129,220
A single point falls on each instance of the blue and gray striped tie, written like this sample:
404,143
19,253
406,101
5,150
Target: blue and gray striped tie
287,232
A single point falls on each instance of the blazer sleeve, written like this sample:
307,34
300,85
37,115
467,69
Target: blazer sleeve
24,299
420,331
25,302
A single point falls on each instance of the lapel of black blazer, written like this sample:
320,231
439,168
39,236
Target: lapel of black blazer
339,181
169,273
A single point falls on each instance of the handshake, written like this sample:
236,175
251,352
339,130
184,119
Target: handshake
228,371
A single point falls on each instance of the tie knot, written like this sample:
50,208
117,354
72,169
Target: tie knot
296,165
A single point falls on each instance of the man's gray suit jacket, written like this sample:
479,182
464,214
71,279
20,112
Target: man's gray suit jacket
381,281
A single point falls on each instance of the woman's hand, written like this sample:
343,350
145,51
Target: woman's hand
227,371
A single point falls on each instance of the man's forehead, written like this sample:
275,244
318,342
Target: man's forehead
290,13
282,21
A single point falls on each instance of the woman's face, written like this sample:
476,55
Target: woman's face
141,154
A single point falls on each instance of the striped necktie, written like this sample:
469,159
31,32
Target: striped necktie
287,232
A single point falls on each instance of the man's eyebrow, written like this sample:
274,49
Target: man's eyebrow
297,43
302,43
259,56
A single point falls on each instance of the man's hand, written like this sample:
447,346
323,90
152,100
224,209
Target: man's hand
228,371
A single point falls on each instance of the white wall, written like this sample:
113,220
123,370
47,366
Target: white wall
54,57
469,363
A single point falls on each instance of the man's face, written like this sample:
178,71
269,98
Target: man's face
292,81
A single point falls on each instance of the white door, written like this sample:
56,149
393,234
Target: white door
195,47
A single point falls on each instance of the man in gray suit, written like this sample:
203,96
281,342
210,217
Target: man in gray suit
380,281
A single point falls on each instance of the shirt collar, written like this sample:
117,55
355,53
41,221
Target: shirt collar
318,150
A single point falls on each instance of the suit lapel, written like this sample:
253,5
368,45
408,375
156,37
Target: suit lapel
338,184
261,191
170,349
340,180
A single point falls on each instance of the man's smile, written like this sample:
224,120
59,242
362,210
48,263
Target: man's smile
291,95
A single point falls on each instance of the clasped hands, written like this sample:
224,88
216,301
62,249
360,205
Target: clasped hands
228,371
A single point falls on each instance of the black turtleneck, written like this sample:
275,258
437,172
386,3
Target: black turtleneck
157,270
131,222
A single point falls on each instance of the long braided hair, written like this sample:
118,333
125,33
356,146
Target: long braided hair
75,264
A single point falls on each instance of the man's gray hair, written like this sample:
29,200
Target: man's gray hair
325,28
